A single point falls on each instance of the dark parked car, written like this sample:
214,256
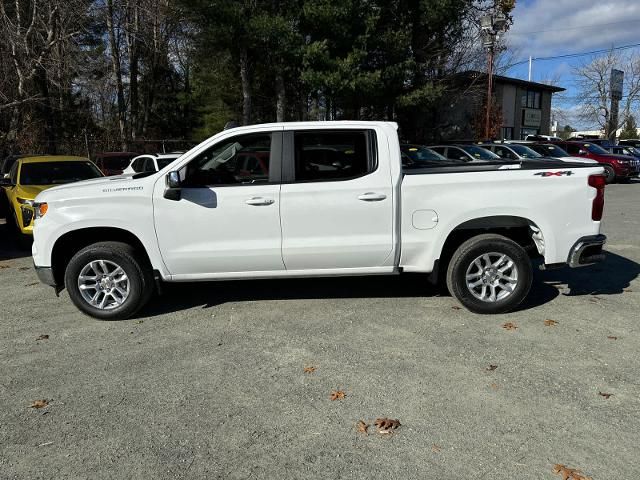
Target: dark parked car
624,150
466,153
416,156
113,163
630,142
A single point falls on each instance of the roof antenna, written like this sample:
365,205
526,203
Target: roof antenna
230,124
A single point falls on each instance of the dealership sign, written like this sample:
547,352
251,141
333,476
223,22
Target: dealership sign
617,81
532,117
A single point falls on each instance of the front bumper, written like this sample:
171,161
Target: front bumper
45,275
587,251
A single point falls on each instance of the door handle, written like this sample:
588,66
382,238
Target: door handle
371,197
258,201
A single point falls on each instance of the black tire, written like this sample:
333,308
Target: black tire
135,266
609,173
463,259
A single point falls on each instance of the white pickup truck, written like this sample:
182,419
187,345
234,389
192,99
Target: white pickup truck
316,199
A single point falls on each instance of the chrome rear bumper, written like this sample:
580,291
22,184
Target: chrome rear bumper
587,251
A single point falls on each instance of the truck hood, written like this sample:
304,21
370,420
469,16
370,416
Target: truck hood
95,184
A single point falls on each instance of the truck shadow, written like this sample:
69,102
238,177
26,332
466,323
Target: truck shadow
11,246
608,278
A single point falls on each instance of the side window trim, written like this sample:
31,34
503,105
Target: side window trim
289,157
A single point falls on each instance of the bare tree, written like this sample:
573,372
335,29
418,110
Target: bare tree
594,89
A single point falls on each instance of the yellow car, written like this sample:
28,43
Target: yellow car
31,175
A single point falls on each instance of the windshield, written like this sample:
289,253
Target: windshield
593,148
550,151
480,153
163,162
116,162
421,154
56,173
525,152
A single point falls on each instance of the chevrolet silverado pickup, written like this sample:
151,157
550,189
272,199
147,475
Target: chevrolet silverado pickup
316,199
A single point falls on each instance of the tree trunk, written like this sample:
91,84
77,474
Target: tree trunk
246,87
117,72
281,98
134,60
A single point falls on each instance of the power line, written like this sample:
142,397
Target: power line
574,55
580,27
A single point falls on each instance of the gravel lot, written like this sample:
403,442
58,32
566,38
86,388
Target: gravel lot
208,382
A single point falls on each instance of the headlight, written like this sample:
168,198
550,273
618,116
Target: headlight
40,209
25,201
27,215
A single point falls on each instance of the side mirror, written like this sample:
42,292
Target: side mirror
173,189
6,182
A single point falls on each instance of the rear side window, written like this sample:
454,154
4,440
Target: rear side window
334,155
572,149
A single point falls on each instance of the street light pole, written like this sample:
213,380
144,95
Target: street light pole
491,26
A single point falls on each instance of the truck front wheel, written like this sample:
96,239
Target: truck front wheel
108,281
490,274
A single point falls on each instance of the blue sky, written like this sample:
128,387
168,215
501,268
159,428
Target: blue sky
544,28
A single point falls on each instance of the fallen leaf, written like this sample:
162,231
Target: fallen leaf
627,290
569,473
494,386
456,307
491,368
4,266
309,369
605,395
140,321
550,323
386,425
362,427
39,403
22,269
337,395
43,337
436,448
510,326
610,337
32,284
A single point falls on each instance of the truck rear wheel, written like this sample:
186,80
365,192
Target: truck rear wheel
490,274
107,281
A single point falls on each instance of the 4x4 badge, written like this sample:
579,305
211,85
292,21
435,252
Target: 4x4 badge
568,173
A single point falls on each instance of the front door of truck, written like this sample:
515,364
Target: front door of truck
336,200
227,218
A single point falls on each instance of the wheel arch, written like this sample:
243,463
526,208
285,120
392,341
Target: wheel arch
68,244
521,230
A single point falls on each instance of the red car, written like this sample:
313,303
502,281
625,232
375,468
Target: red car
616,167
113,163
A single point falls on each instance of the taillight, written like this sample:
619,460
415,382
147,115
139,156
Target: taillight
598,182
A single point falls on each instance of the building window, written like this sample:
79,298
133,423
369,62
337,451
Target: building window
531,99
507,133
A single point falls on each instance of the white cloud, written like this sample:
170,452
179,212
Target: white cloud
565,26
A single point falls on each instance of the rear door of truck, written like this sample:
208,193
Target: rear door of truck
336,199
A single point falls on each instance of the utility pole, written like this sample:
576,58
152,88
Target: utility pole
530,65
492,26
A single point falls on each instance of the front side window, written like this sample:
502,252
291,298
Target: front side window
504,153
333,155
57,173
239,160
